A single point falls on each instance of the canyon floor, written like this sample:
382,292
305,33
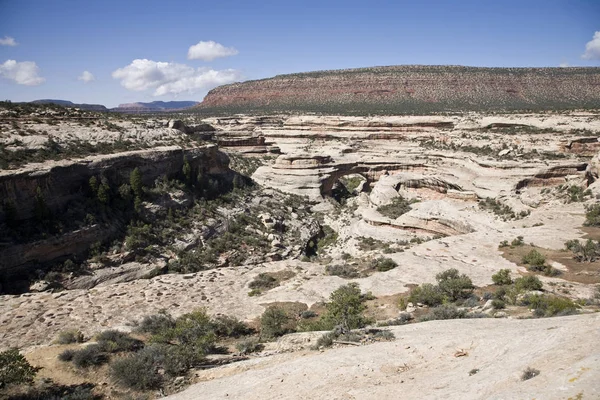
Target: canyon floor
473,181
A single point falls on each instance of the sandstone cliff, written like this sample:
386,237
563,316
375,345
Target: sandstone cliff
410,89
63,184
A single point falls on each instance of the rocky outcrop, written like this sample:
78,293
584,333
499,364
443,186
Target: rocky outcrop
315,175
552,175
402,89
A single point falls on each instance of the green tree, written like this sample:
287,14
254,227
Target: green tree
15,369
125,192
502,277
273,322
454,285
346,307
427,294
104,193
135,180
535,259
94,185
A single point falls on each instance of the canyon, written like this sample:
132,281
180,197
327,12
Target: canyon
229,198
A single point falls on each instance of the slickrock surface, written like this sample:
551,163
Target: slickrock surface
458,359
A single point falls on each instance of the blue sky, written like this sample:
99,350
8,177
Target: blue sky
45,46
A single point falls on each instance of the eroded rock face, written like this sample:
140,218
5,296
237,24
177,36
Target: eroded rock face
593,169
62,181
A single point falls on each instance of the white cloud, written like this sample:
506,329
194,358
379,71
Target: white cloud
171,78
564,65
23,73
592,48
210,50
7,41
86,76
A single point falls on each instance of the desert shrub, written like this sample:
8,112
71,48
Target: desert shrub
396,208
403,318
444,311
346,307
527,283
368,243
529,373
255,292
263,281
89,356
384,335
498,304
15,369
139,370
349,336
453,285
179,359
577,194
156,323
113,341
308,314
70,336
592,215
326,340
588,252
249,346
67,355
535,260
273,323
194,330
518,241
384,264
427,294
343,271
502,277
226,326
550,306
501,210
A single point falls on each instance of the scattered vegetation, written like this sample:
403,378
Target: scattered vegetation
343,271
396,208
502,210
549,306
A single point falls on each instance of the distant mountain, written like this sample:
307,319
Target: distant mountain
410,89
155,106
66,103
